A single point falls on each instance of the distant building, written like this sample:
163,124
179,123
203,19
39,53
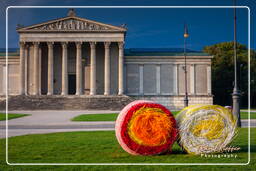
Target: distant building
81,57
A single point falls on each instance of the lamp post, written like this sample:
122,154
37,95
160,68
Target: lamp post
185,67
236,93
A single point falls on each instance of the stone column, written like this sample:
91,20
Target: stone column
36,66
141,91
64,83
50,68
125,74
158,79
78,68
22,68
176,79
209,80
192,79
26,68
121,68
93,68
107,69
39,69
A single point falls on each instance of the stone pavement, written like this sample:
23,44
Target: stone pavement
41,122
52,121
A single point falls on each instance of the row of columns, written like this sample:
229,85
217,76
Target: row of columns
175,80
64,90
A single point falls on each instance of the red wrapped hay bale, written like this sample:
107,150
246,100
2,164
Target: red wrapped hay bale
145,128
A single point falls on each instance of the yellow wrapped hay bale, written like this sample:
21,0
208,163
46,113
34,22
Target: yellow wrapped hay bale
205,128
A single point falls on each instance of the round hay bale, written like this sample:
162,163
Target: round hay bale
145,128
205,128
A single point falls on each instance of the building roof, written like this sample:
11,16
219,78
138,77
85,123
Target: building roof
11,51
3,50
136,52
70,23
162,52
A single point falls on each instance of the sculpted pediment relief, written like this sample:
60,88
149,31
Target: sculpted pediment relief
72,24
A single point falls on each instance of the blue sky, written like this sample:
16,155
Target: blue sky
147,28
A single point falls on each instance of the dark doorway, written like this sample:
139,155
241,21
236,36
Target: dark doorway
71,84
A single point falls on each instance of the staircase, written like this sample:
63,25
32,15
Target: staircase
55,102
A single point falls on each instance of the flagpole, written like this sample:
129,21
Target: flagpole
185,67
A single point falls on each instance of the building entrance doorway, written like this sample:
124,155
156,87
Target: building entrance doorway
71,84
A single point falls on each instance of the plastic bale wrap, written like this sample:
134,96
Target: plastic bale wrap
205,128
145,128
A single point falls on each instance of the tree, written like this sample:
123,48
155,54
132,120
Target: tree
223,72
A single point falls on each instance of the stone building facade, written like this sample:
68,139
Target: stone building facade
73,56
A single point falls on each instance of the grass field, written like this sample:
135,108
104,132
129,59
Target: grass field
244,115
11,116
113,116
102,147
96,117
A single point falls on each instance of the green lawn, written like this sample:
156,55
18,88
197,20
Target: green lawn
102,147
244,115
11,116
100,117
113,116
96,117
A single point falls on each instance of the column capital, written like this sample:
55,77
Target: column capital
121,45
50,44
22,44
78,44
107,44
64,44
36,43
92,45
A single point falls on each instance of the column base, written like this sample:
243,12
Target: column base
21,93
49,93
106,94
120,92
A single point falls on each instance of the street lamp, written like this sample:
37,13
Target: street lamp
185,67
236,93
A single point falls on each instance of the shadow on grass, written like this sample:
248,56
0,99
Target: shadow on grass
244,148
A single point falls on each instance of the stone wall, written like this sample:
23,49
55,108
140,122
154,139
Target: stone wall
164,75
13,74
176,102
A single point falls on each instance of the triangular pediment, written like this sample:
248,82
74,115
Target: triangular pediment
72,24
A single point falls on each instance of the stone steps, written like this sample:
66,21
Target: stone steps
55,102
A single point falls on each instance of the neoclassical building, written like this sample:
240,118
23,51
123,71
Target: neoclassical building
74,56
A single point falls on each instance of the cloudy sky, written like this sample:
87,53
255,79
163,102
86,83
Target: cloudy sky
147,27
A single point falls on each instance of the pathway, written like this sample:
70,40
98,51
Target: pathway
41,122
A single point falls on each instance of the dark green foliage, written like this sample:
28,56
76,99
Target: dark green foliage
223,72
